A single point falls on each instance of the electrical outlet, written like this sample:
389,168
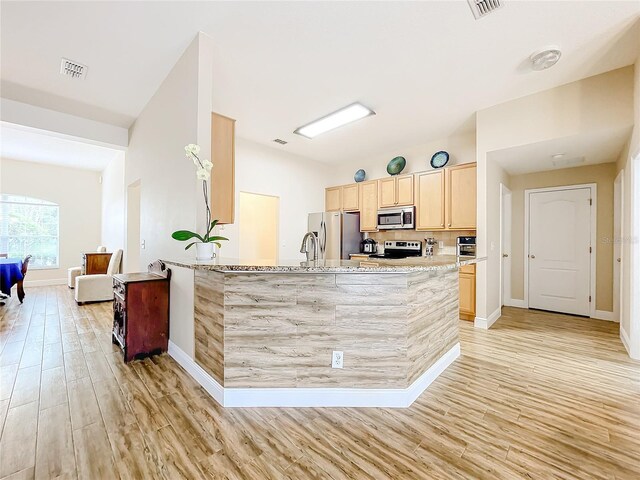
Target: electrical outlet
143,244
337,360
441,244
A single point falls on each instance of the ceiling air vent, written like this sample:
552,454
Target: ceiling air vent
481,8
280,141
73,69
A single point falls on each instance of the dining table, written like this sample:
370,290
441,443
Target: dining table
10,275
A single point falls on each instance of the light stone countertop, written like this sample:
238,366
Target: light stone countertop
374,265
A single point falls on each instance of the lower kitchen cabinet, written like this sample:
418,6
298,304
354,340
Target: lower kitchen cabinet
467,284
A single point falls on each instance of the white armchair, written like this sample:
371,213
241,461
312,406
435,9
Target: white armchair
98,288
74,272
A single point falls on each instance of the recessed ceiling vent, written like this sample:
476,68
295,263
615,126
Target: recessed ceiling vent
73,69
280,141
481,8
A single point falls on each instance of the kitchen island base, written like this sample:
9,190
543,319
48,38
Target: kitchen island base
266,338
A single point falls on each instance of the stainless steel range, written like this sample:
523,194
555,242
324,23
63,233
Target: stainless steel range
400,249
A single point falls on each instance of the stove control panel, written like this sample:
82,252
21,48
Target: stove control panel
415,246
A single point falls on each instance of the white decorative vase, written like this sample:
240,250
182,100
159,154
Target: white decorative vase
205,251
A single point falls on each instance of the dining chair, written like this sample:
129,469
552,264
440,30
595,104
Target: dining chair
20,284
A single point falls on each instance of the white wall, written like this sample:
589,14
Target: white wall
630,321
113,204
593,104
461,149
170,195
76,191
297,181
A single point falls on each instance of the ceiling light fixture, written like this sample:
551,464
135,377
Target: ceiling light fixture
546,58
345,115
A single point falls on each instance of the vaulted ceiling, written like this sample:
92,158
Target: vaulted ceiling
424,67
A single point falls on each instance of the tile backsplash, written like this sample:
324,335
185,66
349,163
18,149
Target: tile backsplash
448,238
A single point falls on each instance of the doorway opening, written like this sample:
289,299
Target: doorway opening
259,228
132,255
560,253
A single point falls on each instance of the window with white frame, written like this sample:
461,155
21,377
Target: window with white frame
29,226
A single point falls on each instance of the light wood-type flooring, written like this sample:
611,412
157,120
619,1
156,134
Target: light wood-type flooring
537,396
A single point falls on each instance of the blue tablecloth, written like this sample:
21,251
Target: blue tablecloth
10,273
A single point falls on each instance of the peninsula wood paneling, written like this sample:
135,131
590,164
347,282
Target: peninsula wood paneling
279,329
209,323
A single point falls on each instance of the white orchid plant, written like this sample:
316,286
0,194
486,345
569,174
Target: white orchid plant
203,172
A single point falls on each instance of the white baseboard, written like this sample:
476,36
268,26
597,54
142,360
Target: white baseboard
197,372
625,341
314,397
45,283
604,315
486,323
514,302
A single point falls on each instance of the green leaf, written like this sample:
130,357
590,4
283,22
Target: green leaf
190,245
213,225
183,235
214,238
218,244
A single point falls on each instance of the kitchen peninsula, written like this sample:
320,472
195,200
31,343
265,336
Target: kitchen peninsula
265,335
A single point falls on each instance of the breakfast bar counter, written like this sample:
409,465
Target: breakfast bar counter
265,335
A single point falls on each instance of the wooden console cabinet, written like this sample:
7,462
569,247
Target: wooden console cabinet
94,263
141,312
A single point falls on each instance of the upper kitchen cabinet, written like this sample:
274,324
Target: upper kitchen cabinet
368,206
430,200
222,191
333,199
446,199
350,198
461,190
395,191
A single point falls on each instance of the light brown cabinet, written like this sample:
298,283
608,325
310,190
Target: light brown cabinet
461,197
446,199
430,187
350,198
395,191
467,284
368,206
222,184
333,199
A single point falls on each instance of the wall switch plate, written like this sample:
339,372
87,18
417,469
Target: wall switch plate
337,360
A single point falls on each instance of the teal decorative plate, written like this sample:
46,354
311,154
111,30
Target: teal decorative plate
360,176
439,159
395,166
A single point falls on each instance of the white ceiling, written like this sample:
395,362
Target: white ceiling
595,146
424,67
31,146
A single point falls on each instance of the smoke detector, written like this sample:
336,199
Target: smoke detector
569,162
546,58
481,8
73,69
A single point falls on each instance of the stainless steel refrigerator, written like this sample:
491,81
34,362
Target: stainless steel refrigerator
338,234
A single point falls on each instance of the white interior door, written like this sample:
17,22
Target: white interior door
259,226
559,250
505,246
618,234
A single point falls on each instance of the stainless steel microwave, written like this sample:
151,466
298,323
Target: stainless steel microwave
394,218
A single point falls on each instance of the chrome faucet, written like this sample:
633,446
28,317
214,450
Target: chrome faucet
311,255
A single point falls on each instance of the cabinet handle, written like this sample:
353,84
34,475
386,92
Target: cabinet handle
449,223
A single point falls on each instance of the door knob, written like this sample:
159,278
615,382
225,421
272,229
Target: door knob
532,256
618,260
505,255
